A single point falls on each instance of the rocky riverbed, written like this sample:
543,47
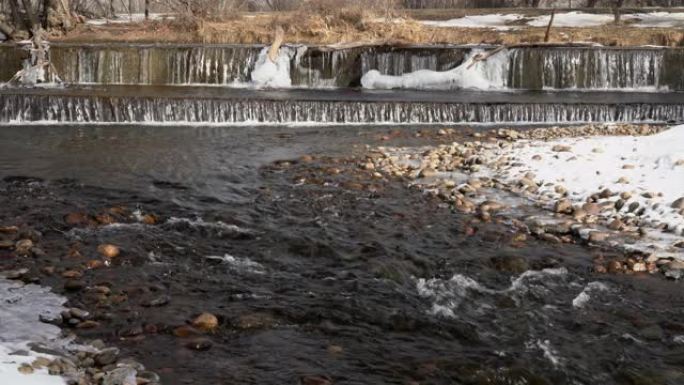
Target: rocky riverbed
471,175
304,261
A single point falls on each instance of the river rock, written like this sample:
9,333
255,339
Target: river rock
107,356
563,206
678,204
206,322
561,148
23,247
108,251
120,376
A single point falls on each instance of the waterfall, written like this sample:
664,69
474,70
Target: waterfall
535,68
583,68
27,107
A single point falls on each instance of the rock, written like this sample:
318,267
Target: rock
199,344
616,225
206,322
678,204
23,247
563,206
598,236
73,285
679,245
120,376
87,325
25,369
16,274
186,331
72,274
77,219
623,180
6,244
315,380
79,313
147,377
561,148
335,349
614,266
108,251
107,356
9,229
255,321
591,208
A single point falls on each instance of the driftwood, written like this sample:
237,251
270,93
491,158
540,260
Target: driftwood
486,55
277,42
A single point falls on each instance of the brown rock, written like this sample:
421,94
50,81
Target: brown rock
614,266
335,349
186,331
206,322
563,206
678,204
88,325
598,236
105,219
9,229
77,219
108,251
72,274
616,225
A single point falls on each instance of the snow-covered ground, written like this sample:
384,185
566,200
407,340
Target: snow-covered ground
20,309
130,18
495,21
650,169
472,74
566,19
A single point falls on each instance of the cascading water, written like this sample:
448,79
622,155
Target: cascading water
326,109
535,68
580,68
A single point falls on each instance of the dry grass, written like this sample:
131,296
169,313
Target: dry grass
359,26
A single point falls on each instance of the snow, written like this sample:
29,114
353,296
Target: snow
486,74
495,21
572,19
269,74
657,20
20,326
651,164
122,18
567,19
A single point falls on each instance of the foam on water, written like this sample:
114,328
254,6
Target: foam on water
448,295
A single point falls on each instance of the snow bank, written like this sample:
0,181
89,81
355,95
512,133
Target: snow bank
271,74
572,19
487,74
650,168
20,326
495,21
657,20
566,19
122,18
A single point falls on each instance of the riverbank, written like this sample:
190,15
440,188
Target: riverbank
354,28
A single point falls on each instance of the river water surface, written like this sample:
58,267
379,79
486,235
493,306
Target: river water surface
319,271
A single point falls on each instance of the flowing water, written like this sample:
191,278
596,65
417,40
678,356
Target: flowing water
322,273
318,270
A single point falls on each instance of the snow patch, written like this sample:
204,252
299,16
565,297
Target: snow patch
20,326
572,19
651,168
495,21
